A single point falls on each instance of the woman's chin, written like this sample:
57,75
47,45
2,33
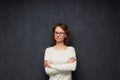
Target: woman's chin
59,41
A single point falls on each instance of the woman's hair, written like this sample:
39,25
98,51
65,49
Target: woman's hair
67,32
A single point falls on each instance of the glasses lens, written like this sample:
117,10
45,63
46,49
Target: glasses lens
60,33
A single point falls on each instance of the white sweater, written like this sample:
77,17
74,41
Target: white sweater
60,69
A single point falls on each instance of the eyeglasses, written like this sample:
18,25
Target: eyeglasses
60,33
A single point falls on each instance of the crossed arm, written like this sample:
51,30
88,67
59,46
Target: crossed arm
48,63
56,69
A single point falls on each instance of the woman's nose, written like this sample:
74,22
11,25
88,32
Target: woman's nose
58,34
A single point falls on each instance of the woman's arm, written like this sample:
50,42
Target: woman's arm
64,67
55,71
51,71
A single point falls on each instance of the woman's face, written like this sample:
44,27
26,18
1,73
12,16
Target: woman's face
59,34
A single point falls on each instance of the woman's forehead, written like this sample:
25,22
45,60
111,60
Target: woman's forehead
58,28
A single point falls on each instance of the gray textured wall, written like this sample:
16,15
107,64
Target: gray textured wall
25,32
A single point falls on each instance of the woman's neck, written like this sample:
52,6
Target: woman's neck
60,46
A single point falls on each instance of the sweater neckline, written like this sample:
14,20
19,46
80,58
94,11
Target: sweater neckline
60,49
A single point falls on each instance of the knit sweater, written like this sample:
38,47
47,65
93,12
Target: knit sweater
60,69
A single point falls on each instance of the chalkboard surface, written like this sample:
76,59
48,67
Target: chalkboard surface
25,32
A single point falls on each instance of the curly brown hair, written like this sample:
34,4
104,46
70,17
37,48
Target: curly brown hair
67,32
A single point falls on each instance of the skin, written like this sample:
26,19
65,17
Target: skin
59,45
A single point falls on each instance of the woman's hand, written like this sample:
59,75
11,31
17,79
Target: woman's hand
47,63
71,60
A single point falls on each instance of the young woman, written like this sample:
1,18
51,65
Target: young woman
60,59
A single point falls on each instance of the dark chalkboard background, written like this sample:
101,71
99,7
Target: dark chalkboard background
25,32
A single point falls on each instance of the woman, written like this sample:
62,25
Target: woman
60,59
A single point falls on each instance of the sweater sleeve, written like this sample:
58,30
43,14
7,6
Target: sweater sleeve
64,67
67,66
50,71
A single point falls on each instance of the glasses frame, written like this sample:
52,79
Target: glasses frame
60,33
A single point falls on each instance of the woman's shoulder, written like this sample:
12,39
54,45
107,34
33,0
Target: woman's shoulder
71,47
48,48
